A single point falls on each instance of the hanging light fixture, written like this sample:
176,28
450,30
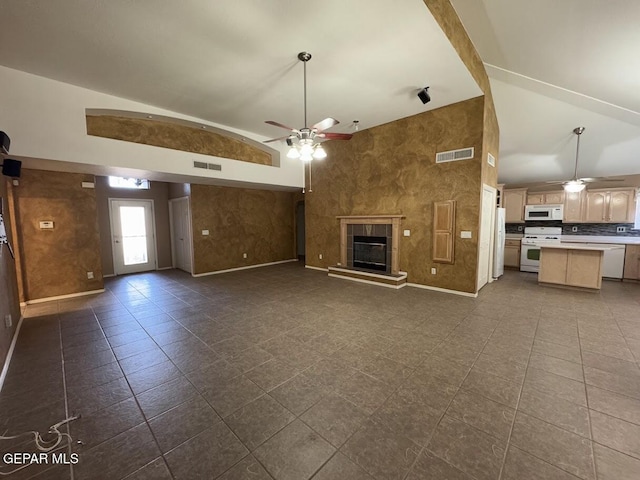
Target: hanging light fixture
304,145
576,185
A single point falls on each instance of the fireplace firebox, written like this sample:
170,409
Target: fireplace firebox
370,253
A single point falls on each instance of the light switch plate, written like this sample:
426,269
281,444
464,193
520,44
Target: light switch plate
407,233
205,232
465,234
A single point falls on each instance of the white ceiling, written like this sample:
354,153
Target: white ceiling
556,65
235,62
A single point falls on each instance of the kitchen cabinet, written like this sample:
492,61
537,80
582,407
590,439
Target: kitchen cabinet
573,202
609,206
545,198
632,263
575,266
512,253
513,202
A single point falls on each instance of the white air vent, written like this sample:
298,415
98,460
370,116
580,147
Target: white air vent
207,166
454,155
491,160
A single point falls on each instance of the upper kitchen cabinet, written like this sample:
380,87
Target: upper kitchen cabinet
545,198
573,202
609,206
513,201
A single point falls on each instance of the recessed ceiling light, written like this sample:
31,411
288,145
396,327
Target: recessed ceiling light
149,116
204,126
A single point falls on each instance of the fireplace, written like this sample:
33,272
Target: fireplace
370,243
370,253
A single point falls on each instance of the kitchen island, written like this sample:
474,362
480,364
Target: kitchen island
571,265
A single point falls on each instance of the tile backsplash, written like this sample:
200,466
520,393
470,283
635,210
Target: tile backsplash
600,229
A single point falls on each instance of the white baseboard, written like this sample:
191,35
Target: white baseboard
12,347
217,272
370,282
164,268
316,268
109,275
443,290
61,297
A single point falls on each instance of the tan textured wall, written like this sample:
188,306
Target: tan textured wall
56,262
159,193
256,222
448,19
391,169
176,137
9,304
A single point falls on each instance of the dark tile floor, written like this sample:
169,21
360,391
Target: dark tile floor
283,373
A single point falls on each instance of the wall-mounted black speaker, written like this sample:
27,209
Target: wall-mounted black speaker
424,95
11,168
5,142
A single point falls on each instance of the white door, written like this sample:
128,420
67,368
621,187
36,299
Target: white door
180,233
485,258
132,235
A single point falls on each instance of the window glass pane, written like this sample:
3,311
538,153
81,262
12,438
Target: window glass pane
134,235
135,183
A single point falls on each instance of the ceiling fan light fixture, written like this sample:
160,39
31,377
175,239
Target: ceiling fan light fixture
319,152
574,186
293,153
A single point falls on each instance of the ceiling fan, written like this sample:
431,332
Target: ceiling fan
578,184
304,142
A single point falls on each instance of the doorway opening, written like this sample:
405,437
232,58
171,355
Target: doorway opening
133,235
300,232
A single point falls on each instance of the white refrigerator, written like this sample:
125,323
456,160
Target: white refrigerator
498,248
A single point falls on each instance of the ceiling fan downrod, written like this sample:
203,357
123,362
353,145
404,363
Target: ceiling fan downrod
578,131
304,57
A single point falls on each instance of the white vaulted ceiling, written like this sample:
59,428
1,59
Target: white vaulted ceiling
556,65
235,62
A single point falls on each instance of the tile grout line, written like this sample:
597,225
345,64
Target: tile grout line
515,413
458,389
586,396
64,391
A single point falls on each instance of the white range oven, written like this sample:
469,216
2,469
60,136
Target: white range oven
530,245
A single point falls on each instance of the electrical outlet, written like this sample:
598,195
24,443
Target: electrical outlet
433,271
574,229
244,255
320,256
8,321
621,229
90,275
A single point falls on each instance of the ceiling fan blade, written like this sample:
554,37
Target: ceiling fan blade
324,124
277,124
277,139
335,136
601,179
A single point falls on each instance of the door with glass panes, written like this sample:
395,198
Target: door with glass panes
132,236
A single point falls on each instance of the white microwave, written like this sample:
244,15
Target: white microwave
543,212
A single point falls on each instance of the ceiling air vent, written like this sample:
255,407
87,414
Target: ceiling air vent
207,166
454,155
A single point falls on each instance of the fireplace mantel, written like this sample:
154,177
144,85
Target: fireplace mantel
393,220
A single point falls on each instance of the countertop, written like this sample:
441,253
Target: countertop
600,239
578,246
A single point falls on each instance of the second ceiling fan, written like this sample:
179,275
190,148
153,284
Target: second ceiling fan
305,142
